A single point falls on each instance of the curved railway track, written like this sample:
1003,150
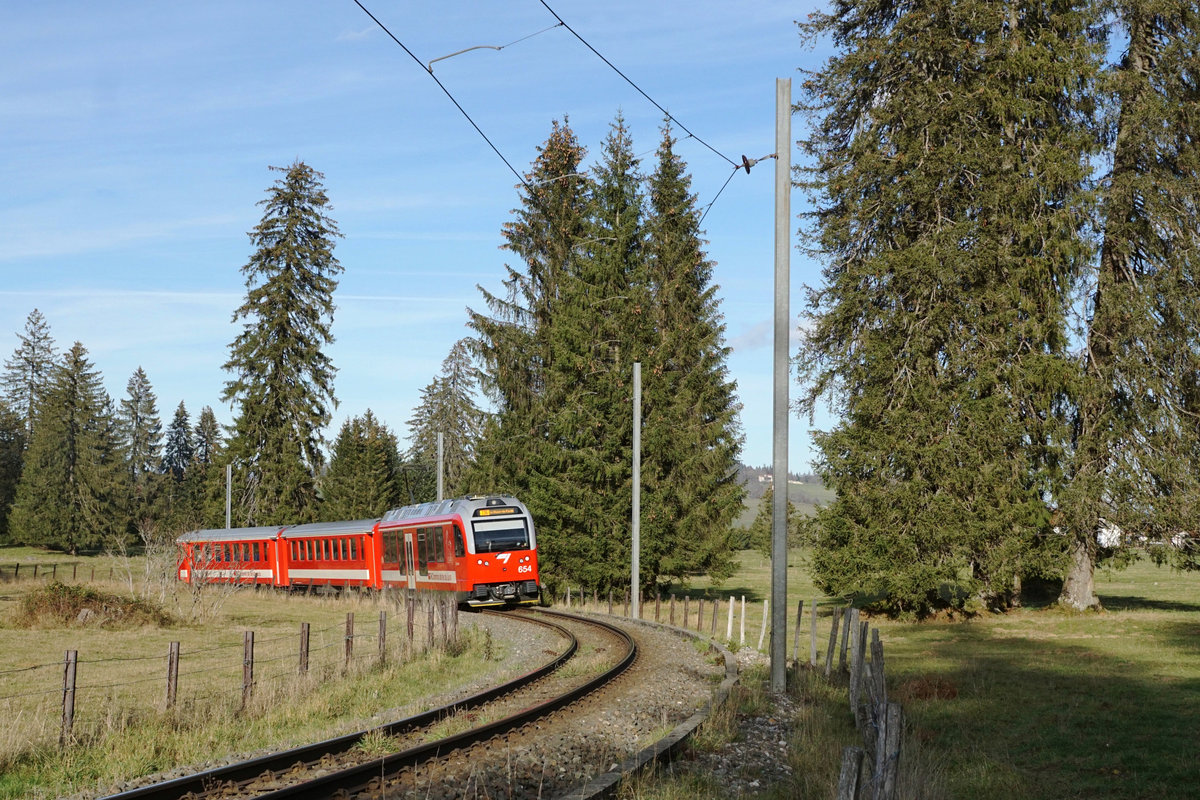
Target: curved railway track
323,770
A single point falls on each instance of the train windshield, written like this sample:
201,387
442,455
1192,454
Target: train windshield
498,536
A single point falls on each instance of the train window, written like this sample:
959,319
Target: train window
422,550
460,547
499,536
350,548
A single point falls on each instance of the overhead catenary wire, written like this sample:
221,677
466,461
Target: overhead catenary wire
428,68
639,89
445,91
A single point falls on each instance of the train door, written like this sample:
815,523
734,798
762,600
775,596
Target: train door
410,550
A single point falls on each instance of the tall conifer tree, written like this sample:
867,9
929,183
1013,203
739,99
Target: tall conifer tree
27,373
178,446
282,380
1137,440
597,334
950,157
12,448
448,406
692,433
65,499
364,472
512,337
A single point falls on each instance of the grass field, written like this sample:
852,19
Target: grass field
1036,703
123,727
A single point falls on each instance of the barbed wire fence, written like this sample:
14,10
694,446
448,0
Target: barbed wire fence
75,699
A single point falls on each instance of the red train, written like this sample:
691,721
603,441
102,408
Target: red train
483,549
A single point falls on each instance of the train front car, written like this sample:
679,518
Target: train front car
481,548
502,569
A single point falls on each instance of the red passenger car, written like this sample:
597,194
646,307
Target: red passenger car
484,549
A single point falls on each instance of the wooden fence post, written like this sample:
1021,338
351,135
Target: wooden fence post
382,637
672,609
812,648
887,752
742,627
411,611
54,572
686,616
610,603
74,569
349,638
700,615
68,708
35,571
303,648
729,622
247,668
852,758
857,653
17,571
657,603
845,639
172,673
716,608
428,623
444,616
833,640
762,632
796,639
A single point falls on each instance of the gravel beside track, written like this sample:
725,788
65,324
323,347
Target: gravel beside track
670,680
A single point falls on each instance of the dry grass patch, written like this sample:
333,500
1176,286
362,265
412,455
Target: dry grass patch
58,605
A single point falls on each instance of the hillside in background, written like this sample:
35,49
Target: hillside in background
804,491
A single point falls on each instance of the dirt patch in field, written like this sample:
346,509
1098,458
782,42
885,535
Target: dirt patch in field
59,605
925,688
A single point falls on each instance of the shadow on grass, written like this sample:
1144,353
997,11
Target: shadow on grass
1134,603
1056,716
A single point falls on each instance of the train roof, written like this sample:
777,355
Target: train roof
329,528
457,505
231,534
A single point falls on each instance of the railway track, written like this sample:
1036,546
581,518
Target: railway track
341,768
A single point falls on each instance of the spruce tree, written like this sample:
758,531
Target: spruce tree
178,447
691,432
141,429
204,480
65,499
448,407
27,373
209,443
363,479
762,528
595,337
12,448
1137,445
282,382
949,159
511,340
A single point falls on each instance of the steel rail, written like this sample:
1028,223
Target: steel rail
370,775
202,782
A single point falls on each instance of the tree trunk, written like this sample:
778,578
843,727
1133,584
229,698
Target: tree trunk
1079,584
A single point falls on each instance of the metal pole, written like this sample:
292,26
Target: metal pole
228,494
635,592
783,220
441,456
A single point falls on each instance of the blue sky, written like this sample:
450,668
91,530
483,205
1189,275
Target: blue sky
135,139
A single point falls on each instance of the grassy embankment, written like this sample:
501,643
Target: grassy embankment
122,726
1037,703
